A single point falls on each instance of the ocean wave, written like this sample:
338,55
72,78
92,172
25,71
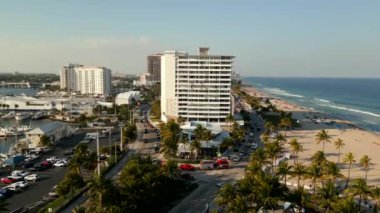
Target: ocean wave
371,122
322,100
353,110
282,92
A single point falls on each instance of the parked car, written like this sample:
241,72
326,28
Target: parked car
60,163
7,180
28,165
236,159
19,173
52,159
222,164
187,176
47,164
16,177
14,188
5,192
22,184
187,167
32,177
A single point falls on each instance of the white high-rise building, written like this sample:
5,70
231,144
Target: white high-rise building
196,87
87,80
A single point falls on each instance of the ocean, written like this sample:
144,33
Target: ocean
356,100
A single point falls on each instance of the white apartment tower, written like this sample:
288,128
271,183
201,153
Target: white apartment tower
196,87
87,80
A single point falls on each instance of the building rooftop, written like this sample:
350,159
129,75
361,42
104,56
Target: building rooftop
44,129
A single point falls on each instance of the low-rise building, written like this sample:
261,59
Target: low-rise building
55,131
127,97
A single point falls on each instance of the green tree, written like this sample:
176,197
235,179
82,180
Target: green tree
375,194
295,148
300,198
230,119
285,123
346,205
349,158
101,193
44,140
332,171
299,171
284,169
319,158
314,173
327,196
359,188
339,144
323,137
365,162
170,135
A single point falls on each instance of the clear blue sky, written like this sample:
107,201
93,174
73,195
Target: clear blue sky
330,38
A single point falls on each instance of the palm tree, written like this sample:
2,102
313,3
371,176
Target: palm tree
332,171
327,195
230,119
181,120
300,198
299,170
184,140
170,133
79,209
375,194
339,144
359,188
99,190
296,148
226,195
346,205
272,150
323,137
349,158
314,173
365,162
319,158
196,146
284,169
285,122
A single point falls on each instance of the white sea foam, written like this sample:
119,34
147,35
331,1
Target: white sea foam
322,100
353,110
282,92
371,122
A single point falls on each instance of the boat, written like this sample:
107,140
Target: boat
39,115
22,129
9,115
22,116
8,131
3,135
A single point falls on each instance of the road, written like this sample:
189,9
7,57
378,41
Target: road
207,180
137,147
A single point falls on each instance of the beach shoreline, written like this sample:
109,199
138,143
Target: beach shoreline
357,140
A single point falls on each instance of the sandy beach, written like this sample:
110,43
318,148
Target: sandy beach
358,141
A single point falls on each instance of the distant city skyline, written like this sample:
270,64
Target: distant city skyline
324,38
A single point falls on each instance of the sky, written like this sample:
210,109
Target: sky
324,38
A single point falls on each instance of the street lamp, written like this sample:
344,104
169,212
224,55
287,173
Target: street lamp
121,136
97,149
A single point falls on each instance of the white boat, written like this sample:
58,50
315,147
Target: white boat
22,116
11,114
8,131
39,115
22,129
3,135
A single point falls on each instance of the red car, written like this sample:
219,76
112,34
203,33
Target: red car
187,167
7,180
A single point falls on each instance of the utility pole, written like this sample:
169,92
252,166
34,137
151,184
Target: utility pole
121,137
109,140
97,149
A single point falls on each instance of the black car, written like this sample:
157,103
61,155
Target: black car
28,165
5,192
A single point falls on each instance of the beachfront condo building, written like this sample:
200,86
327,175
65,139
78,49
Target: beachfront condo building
86,79
196,87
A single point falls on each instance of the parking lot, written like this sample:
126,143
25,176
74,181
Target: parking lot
52,176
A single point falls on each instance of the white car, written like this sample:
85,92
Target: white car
22,184
14,188
19,173
32,177
53,192
52,159
60,163
236,159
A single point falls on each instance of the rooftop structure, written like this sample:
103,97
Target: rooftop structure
127,97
